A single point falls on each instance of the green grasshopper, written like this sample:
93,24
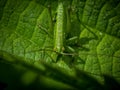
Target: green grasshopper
62,27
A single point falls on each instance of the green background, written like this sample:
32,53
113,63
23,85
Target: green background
99,33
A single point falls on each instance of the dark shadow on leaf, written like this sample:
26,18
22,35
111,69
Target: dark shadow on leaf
85,40
79,81
71,61
82,48
78,60
3,85
110,83
87,82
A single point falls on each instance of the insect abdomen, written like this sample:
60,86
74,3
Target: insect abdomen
59,32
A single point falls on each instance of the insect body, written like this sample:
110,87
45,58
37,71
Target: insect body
61,27
59,30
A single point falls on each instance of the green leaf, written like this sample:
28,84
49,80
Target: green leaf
96,22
